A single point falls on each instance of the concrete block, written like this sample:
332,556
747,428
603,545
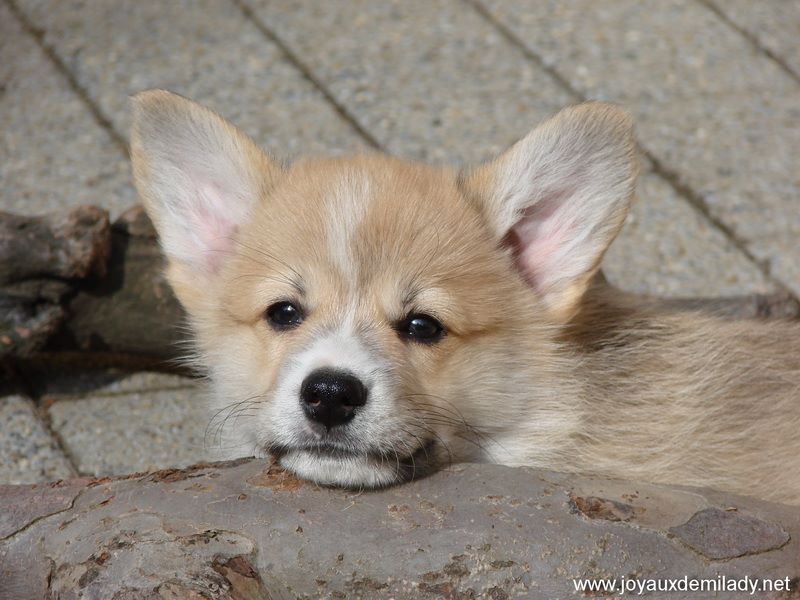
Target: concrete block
667,248
775,25
206,50
430,80
118,434
713,109
53,154
28,453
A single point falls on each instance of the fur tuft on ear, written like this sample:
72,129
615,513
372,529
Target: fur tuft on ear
559,196
198,176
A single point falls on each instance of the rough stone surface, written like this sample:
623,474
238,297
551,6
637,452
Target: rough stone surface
473,531
711,107
23,504
205,50
433,81
117,434
775,25
722,534
52,152
28,454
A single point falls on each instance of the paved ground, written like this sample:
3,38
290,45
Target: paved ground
715,87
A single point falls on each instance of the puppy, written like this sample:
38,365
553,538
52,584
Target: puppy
366,319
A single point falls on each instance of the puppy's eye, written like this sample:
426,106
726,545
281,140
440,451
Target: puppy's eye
421,328
284,315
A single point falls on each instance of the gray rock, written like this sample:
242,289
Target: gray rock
722,534
430,80
482,531
54,383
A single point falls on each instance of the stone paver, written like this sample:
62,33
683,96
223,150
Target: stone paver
668,248
117,434
775,24
52,152
429,79
205,50
708,104
434,81
28,454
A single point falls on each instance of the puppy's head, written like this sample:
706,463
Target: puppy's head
365,319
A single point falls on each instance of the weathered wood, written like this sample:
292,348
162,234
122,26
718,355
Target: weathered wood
67,245
75,290
129,312
38,257
114,309
248,530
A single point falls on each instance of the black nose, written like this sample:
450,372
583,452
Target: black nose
331,397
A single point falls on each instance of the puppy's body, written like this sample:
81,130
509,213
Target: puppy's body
457,316
688,399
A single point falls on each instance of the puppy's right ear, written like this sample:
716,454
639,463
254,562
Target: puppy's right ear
199,178
559,197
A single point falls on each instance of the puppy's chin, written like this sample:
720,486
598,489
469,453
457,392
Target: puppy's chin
358,471
348,471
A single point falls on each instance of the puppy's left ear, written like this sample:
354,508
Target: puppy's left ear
199,178
559,196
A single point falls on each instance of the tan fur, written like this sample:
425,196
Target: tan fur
689,399
580,380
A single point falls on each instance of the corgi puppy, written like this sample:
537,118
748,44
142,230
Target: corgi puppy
365,320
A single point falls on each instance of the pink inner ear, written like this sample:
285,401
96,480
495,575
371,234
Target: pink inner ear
540,238
213,230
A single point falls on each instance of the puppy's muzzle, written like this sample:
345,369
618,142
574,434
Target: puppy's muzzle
330,397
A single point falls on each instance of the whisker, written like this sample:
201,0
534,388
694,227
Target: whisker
438,413
269,256
233,410
424,427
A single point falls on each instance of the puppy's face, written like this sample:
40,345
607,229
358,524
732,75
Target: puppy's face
366,319
350,311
